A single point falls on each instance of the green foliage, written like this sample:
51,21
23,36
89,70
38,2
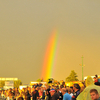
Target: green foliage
38,80
2,83
17,83
72,77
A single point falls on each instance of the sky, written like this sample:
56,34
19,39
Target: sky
25,30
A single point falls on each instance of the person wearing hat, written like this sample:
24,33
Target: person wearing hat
54,95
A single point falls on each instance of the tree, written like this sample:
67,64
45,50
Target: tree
17,83
2,83
38,80
72,77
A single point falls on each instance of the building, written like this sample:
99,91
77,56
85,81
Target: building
7,83
8,79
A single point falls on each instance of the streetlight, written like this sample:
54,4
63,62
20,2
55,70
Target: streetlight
82,66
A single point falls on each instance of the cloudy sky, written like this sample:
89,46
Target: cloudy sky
26,27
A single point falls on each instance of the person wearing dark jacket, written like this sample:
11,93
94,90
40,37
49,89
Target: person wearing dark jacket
54,95
35,94
28,95
76,89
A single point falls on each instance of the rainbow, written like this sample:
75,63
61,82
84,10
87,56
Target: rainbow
50,57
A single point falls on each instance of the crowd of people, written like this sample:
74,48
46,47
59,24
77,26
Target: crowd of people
89,91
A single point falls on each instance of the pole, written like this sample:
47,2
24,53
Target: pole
82,67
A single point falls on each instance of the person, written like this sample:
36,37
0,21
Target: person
71,87
85,94
60,93
94,94
69,92
42,93
20,98
35,94
76,89
54,95
99,79
95,80
47,94
28,95
66,96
